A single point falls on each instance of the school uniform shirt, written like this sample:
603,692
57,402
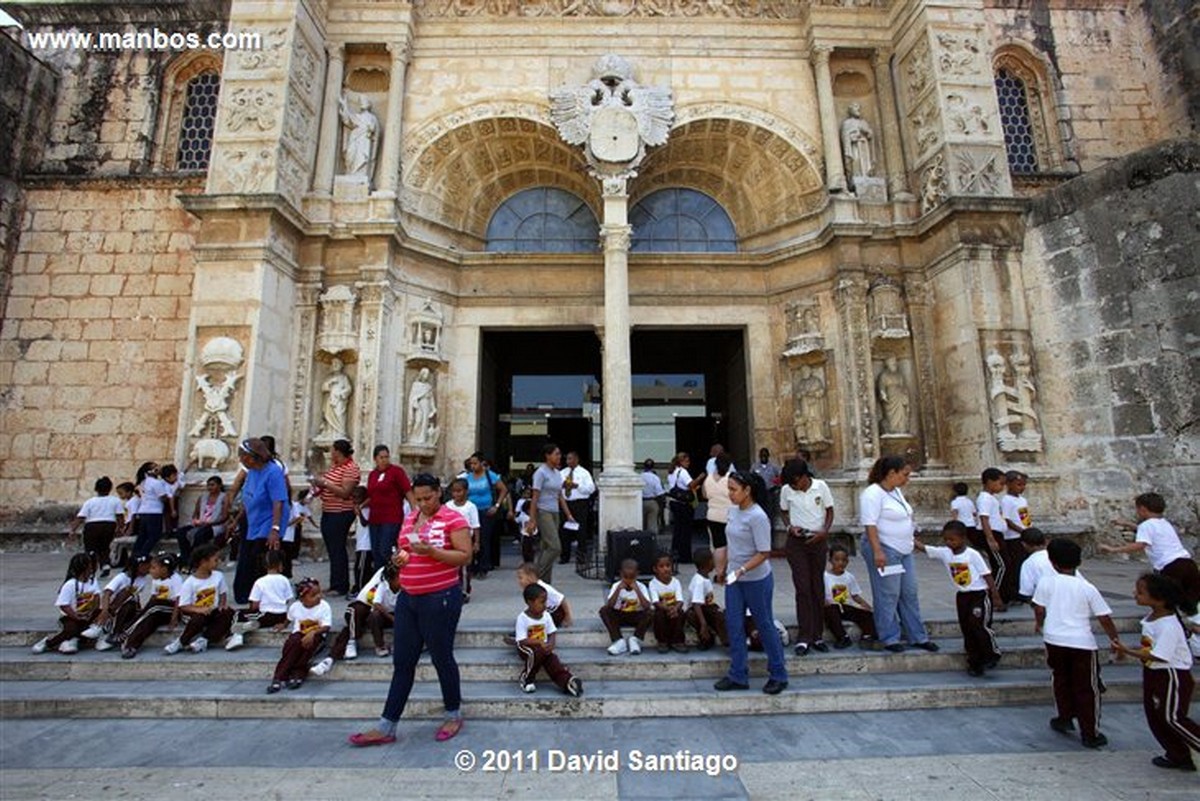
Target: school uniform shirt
1016,509
964,510
82,596
988,505
584,486
806,508
537,629
652,486
666,594
891,515
273,592
554,598
153,491
423,574
1167,641
309,618
101,509
1162,542
362,531
841,589
299,513
967,569
1070,603
700,590
627,599
468,510
204,592
377,591
1035,568
122,581
166,590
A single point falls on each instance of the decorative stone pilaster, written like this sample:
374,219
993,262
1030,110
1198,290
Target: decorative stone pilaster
306,309
929,399
835,176
375,312
328,150
389,169
893,154
860,434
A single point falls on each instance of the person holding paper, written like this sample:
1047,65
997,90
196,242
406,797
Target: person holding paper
887,545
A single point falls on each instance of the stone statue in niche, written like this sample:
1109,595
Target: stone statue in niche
809,419
857,140
895,399
803,327
998,395
422,410
337,390
220,357
360,137
1013,413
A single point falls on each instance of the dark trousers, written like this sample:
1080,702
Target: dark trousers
123,609
980,542
251,566
383,542
535,659
214,626
150,531
335,528
1014,555
265,620
1185,573
835,614
97,539
682,518
364,568
360,618
157,613
1166,696
69,628
293,663
714,622
581,511
425,621
613,620
488,524
558,615
668,629
529,548
1076,681
974,619
807,560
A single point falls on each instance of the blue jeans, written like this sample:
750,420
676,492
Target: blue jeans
150,531
425,620
755,596
895,598
383,540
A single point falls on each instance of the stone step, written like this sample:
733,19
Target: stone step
491,664
362,700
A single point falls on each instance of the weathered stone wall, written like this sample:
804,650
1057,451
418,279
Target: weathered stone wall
1113,283
1175,30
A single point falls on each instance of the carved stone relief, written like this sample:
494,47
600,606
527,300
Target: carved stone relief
810,413
934,189
336,390
216,380
895,395
268,57
979,173
926,126
253,107
888,318
306,309
966,117
425,331
305,68
337,321
1012,392
245,171
803,327
766,9
958,54
422,413
917,71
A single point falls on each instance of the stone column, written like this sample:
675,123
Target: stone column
860,432
328,149
305,321
929,399
619,485
389,157
835,174
893,156
374,312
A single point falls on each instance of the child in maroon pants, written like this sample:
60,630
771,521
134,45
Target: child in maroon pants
203,603
535,643
628,604
78,603
704,613
311,620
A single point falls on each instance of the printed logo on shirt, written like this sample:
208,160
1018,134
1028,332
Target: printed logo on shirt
960,573
162,592
371,595
85,602
206,597
537,633
1148,644
1026,518
841,594
630,605
309,625
709,598
666,598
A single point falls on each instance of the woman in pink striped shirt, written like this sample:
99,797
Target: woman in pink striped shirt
434,543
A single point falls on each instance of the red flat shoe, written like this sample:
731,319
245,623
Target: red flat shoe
449,729
363,739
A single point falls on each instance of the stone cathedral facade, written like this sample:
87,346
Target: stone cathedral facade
870,228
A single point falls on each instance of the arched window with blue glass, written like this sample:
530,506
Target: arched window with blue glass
543,220
681,221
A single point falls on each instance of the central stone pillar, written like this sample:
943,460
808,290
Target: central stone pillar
620,487
835,173
327,154
389,168
893,156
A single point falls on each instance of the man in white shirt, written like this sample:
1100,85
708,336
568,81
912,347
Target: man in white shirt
653,497
578,489
714,452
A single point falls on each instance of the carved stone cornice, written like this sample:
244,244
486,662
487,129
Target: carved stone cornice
744,9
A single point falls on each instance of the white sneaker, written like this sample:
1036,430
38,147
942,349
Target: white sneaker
352,650
71,646
234,642
39,647
529,688
619,647
574,687
173,647
635,646
93,632
198,646
322,667
103,644
243,627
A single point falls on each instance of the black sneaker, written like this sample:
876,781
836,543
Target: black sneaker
975,672
725,684
801,649
820,645
1095,741
928,645
574,687
991,663
1170,764
895,648
1062,725
773,687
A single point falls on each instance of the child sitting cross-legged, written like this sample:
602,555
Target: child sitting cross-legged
627,604
120,603
203,603
844,601
162,608
666,594
269,600
535,635
311,620
78,604
704,613
373,610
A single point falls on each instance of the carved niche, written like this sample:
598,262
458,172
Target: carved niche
810,408
803,328
425,332
888,317
338,333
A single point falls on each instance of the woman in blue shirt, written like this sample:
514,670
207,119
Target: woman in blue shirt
487,491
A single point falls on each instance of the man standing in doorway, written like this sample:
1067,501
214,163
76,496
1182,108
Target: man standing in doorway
578,489
769,472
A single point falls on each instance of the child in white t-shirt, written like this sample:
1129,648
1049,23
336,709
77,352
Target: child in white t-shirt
311,619
1159,539
161,610
1037,562
1063,607
470,512
844,601
78,605
627,604
535,636
556,603
989,521
1166,672
975,593
120,603
962,506
293,537
100,516
363,562
270,598
203,603
373,610
1015,510
704,613
666,594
